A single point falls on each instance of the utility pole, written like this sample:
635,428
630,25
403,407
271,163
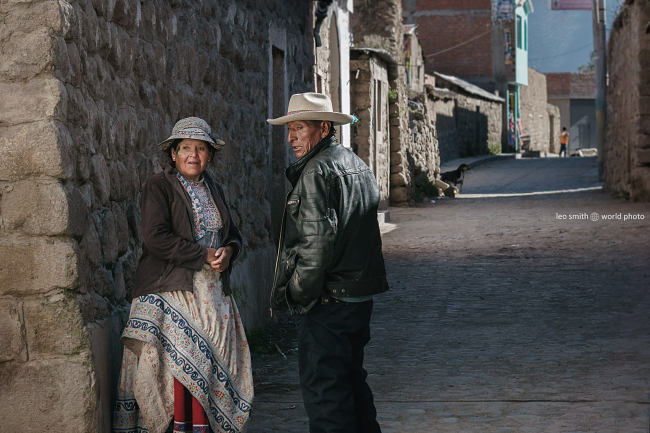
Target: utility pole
600,63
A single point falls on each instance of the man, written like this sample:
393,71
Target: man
329,266
564,141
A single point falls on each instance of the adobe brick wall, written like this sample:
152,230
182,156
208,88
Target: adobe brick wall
582,85
88,89
575,85
438,32
443,24
626,151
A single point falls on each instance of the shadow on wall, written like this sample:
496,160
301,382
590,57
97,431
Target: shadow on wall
462,135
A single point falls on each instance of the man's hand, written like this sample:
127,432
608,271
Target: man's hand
221,259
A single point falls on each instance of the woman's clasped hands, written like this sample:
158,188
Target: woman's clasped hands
219,259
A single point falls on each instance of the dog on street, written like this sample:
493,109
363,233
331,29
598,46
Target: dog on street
455,176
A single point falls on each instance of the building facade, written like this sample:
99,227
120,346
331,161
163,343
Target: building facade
468,118
371,134
89,89
539,126
413,61
377,27
332,57
484,42
574,94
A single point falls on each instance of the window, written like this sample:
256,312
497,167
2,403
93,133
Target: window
519,32
526,34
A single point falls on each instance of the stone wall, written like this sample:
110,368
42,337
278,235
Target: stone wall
370,135
534,116
573,93
89,88
422,152
626,151
466,124
378,25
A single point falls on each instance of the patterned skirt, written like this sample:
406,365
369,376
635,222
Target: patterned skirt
197,338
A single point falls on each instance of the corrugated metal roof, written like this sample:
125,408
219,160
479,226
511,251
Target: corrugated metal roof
469,87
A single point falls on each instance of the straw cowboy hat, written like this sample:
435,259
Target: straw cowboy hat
192,127
311,106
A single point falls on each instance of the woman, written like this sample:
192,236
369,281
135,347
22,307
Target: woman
185,351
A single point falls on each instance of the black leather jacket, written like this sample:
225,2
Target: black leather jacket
330,243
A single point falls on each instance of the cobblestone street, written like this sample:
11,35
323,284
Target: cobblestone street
510,309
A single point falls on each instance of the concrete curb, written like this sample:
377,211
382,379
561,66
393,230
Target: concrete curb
474,161
383,216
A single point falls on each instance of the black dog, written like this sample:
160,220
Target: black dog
455,176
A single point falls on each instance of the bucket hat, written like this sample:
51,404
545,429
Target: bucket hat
311,106
192,127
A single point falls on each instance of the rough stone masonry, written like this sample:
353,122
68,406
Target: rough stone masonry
626,152
378,25
87,89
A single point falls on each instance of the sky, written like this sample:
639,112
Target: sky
561,41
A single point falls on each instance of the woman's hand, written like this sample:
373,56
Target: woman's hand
221,258
212,255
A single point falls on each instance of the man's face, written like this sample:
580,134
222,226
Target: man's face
303,136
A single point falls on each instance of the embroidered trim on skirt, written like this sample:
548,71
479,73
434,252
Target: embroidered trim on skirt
197,338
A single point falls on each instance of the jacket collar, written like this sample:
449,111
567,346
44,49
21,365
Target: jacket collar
295,169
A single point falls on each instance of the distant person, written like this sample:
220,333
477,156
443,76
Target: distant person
564,141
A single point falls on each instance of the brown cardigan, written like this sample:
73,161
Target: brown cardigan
170,254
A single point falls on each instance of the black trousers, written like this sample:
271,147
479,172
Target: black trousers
331,339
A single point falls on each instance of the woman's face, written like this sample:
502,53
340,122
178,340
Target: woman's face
191,158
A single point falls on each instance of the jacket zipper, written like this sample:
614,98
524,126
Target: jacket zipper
277,257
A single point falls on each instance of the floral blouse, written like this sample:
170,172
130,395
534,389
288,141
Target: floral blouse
207,219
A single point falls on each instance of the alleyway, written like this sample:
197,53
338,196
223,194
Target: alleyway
508,312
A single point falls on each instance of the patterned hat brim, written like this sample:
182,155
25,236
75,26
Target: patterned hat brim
193,133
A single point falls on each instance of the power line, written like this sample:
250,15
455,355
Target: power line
562,54
459,45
